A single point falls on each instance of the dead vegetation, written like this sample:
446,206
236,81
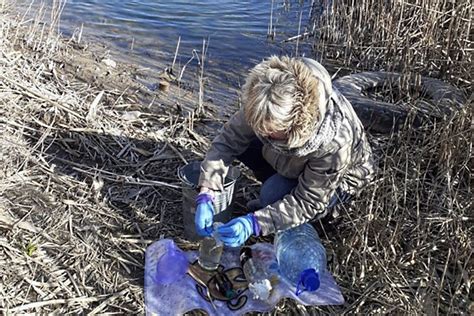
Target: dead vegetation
87,176
88,181
415,37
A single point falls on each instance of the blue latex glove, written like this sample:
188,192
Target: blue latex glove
238,230
204,214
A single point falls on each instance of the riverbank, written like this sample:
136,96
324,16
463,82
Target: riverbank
88,181
88,162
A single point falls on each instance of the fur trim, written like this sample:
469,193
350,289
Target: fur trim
304,115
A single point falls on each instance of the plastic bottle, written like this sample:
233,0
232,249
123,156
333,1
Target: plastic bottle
171,266
301,257
258,274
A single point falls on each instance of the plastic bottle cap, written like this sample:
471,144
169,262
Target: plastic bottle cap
310,280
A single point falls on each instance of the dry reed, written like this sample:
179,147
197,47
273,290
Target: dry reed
87,182
413,37
87,177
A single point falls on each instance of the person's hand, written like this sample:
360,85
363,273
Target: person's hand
204,214
238,230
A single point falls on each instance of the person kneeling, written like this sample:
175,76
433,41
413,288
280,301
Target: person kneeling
302,139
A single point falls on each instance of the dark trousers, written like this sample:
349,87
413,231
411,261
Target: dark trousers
275,186
254,160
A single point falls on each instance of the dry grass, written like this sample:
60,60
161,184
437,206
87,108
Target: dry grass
87,181
428,37
405,246
87,178
407,243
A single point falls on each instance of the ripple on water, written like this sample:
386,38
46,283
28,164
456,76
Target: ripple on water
237,30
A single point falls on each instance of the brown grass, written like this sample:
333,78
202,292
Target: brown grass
87,182
407,242
87,177
428,37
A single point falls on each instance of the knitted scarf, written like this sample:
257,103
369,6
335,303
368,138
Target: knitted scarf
324,132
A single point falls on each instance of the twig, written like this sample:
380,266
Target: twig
270,31
34,94
176,53
299,29
200,108
82,299
298,37
107,301
125,179
185,65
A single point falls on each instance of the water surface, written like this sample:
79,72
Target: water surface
147,32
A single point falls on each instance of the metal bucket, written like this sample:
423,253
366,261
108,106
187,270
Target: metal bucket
189,176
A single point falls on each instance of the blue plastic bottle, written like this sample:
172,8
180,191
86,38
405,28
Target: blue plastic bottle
301,257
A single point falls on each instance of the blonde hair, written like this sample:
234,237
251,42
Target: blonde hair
282,95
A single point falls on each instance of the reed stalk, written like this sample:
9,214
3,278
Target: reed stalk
81,199
426,37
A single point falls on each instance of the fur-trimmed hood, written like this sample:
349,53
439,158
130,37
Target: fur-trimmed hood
323,76
321,125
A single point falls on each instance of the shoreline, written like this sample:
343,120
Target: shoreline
88,181
75,118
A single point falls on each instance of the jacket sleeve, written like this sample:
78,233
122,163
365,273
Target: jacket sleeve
232,141
359,175
364,172
318,182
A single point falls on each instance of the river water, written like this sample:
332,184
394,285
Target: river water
146,32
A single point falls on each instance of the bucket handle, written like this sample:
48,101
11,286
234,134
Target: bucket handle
183,179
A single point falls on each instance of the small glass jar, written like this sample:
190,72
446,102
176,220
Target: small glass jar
210,250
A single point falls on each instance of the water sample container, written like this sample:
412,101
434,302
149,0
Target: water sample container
210,250
171,266
189,176
301,257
